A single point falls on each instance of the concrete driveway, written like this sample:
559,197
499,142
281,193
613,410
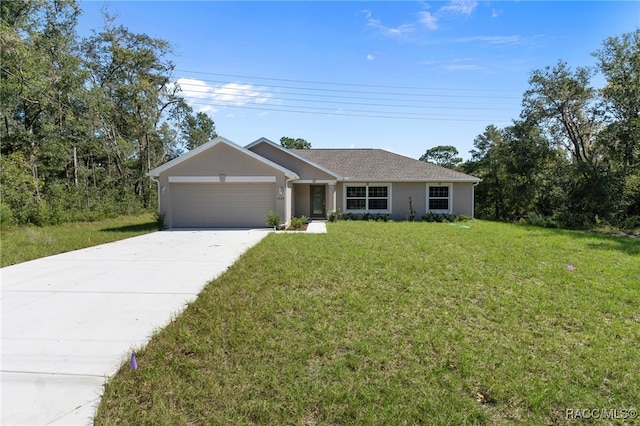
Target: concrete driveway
70,320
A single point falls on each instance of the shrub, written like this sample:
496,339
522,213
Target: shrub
298,222
159,217
273,219
463,218
536,219
440,217
6,216
335,215
412,212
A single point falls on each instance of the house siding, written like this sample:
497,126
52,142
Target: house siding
401,193
463,198
221,161
301,198
305,170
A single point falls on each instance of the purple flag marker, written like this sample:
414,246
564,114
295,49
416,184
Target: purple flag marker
133,363
570,267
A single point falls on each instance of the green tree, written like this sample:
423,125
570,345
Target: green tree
488,163
619,62
41,84
563,104
132,80
291,143
197,130
442,155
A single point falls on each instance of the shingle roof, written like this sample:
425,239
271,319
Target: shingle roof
380,165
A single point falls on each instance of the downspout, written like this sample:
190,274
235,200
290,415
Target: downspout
473,200
158,195
288,200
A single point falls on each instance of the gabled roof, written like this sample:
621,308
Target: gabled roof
378,165
220,140
294,153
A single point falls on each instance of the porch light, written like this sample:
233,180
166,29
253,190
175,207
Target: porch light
280,190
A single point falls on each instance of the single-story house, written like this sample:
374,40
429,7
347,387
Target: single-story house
222,184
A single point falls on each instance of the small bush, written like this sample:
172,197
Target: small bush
375,217
298,222
440,217
536,219
412,212
6,216
352,216
335,215
273,219
159,218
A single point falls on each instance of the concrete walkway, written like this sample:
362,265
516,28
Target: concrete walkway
70,320
317,227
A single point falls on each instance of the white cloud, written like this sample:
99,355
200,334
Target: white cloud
370,57
495,13
192,88
493,40
428,20
200,94
465,7
385,30
239,94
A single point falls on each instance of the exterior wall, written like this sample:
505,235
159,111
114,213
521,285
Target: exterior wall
301,200
302,168
461,203
401,193
463,194
222,161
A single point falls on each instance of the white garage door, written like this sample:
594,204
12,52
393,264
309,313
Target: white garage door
221,205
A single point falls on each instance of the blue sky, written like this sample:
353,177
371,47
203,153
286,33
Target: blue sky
402,76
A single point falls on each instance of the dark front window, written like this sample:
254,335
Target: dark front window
437,204
356,203
439,198
378,204
367,198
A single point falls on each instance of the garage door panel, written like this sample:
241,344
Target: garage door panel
221,205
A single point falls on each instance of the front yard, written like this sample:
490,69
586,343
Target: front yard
399,323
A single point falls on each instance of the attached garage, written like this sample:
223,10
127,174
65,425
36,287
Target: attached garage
221,205
222,185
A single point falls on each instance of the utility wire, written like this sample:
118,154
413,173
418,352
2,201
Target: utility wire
316,89
350,113
270,96
339,84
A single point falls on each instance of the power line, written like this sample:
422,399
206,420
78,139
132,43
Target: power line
315,89
351,113
271,97
338,84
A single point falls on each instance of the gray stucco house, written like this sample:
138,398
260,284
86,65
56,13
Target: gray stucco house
222,184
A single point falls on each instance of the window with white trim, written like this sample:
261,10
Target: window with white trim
367,198
439,199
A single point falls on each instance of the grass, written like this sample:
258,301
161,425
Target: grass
20,244
398,323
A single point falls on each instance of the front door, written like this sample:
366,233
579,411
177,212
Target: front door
318,201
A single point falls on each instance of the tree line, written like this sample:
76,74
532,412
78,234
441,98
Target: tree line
84,120
572,158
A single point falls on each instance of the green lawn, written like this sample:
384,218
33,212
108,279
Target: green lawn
399,323
20,244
